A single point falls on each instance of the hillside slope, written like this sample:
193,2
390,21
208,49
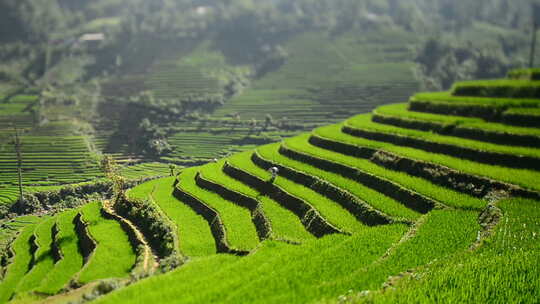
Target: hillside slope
405,204
398,197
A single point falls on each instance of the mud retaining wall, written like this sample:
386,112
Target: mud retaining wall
405,196
360,209
262,224
310,218
212,217
487,157
87,244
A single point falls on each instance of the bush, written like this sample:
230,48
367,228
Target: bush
27,204
525,74
152,224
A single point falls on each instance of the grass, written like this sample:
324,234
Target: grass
241,233
11,227
275,268
333,77
195,237
425,187
47,161
442,235
430,260
364,122
43,259
72,260
500,103
375,199
522,177
498,88
19,265
400,111
145,170
113,256
523,111
329,210
285,224
504,270
525,74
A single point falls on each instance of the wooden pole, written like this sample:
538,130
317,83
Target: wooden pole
19,162
536,16
533,44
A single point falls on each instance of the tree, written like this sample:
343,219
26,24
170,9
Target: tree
268,121
110,169
172,167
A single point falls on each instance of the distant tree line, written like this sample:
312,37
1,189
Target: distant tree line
247,31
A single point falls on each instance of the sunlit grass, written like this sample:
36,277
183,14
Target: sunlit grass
113,256
523,177
72,260
241,233
43,258
329,210
285,224
504,270
374,198
19,266
420,185
194,235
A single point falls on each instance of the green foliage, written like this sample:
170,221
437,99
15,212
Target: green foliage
401,112
152,223
195,238
241,233
503,270
19,265
442,63
441,194
523,112
525,74
498,88
329,210
42,261
520,177
113,248
71,261
258,278
496,103
285,225
364,122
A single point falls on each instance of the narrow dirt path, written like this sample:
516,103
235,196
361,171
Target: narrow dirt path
150,263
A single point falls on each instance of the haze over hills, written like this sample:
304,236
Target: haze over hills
143,136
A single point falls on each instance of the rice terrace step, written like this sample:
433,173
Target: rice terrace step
335,196
242,151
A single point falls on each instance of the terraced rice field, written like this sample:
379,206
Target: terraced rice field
52,253
399,205
325,79
52,156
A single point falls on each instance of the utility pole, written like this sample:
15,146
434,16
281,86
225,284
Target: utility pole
19,162
535,24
